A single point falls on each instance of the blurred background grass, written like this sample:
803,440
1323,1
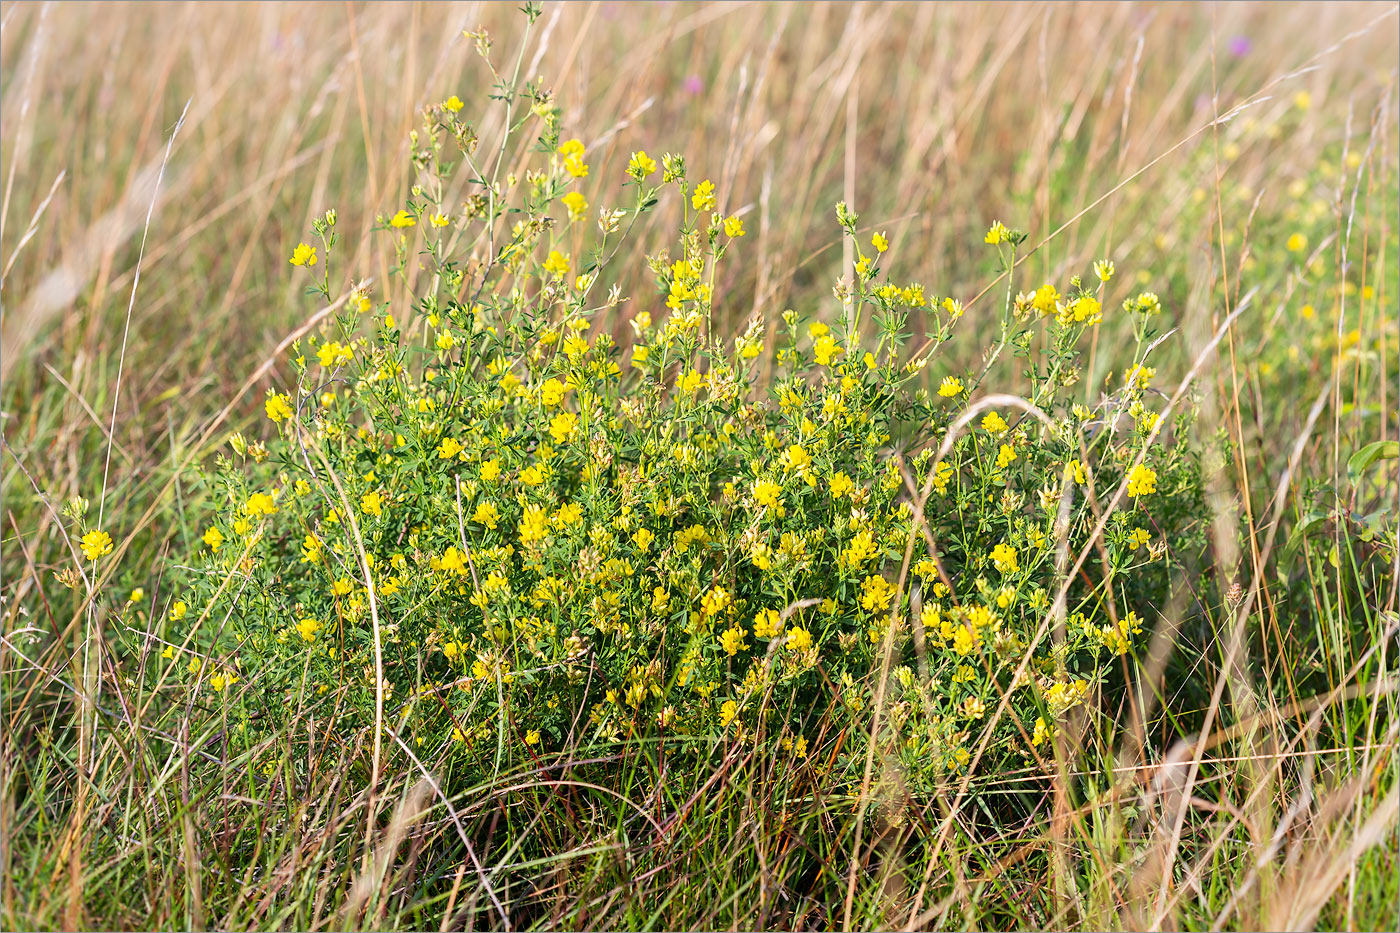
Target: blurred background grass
930,119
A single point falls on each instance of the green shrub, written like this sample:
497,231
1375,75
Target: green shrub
488,525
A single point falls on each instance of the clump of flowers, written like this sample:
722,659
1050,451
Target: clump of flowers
485,524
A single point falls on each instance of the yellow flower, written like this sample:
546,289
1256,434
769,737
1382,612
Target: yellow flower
965,638
96,544
307,629
942,475
1064,696
861,549
440,220
1138,537
1139,377
403,219
445,341
562,426
1045,299
557,263
303,255
1147,303
260,503
453,561
767,624
841,485
1142,481
1083,310
490,470
954,307
704,197
715,601
641,165
213,537
643,539
532,475
950,387
1043,732
1104,269
371,503
1297,243
552,392
572,150
1005,456
278,408
995,424
575,346
332,354
577,205
880,242
486,514
825,348
534,524
1004,557
767,493
177,611
691,382
452,104
727,712
875,593
732,640
997,233
449,448
733,227
797,458
799,639
532,737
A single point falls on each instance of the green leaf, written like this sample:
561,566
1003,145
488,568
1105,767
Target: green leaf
1300,532
1358,462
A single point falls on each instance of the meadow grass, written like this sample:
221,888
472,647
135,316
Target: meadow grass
160,163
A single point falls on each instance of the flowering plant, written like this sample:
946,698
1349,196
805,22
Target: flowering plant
490,531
